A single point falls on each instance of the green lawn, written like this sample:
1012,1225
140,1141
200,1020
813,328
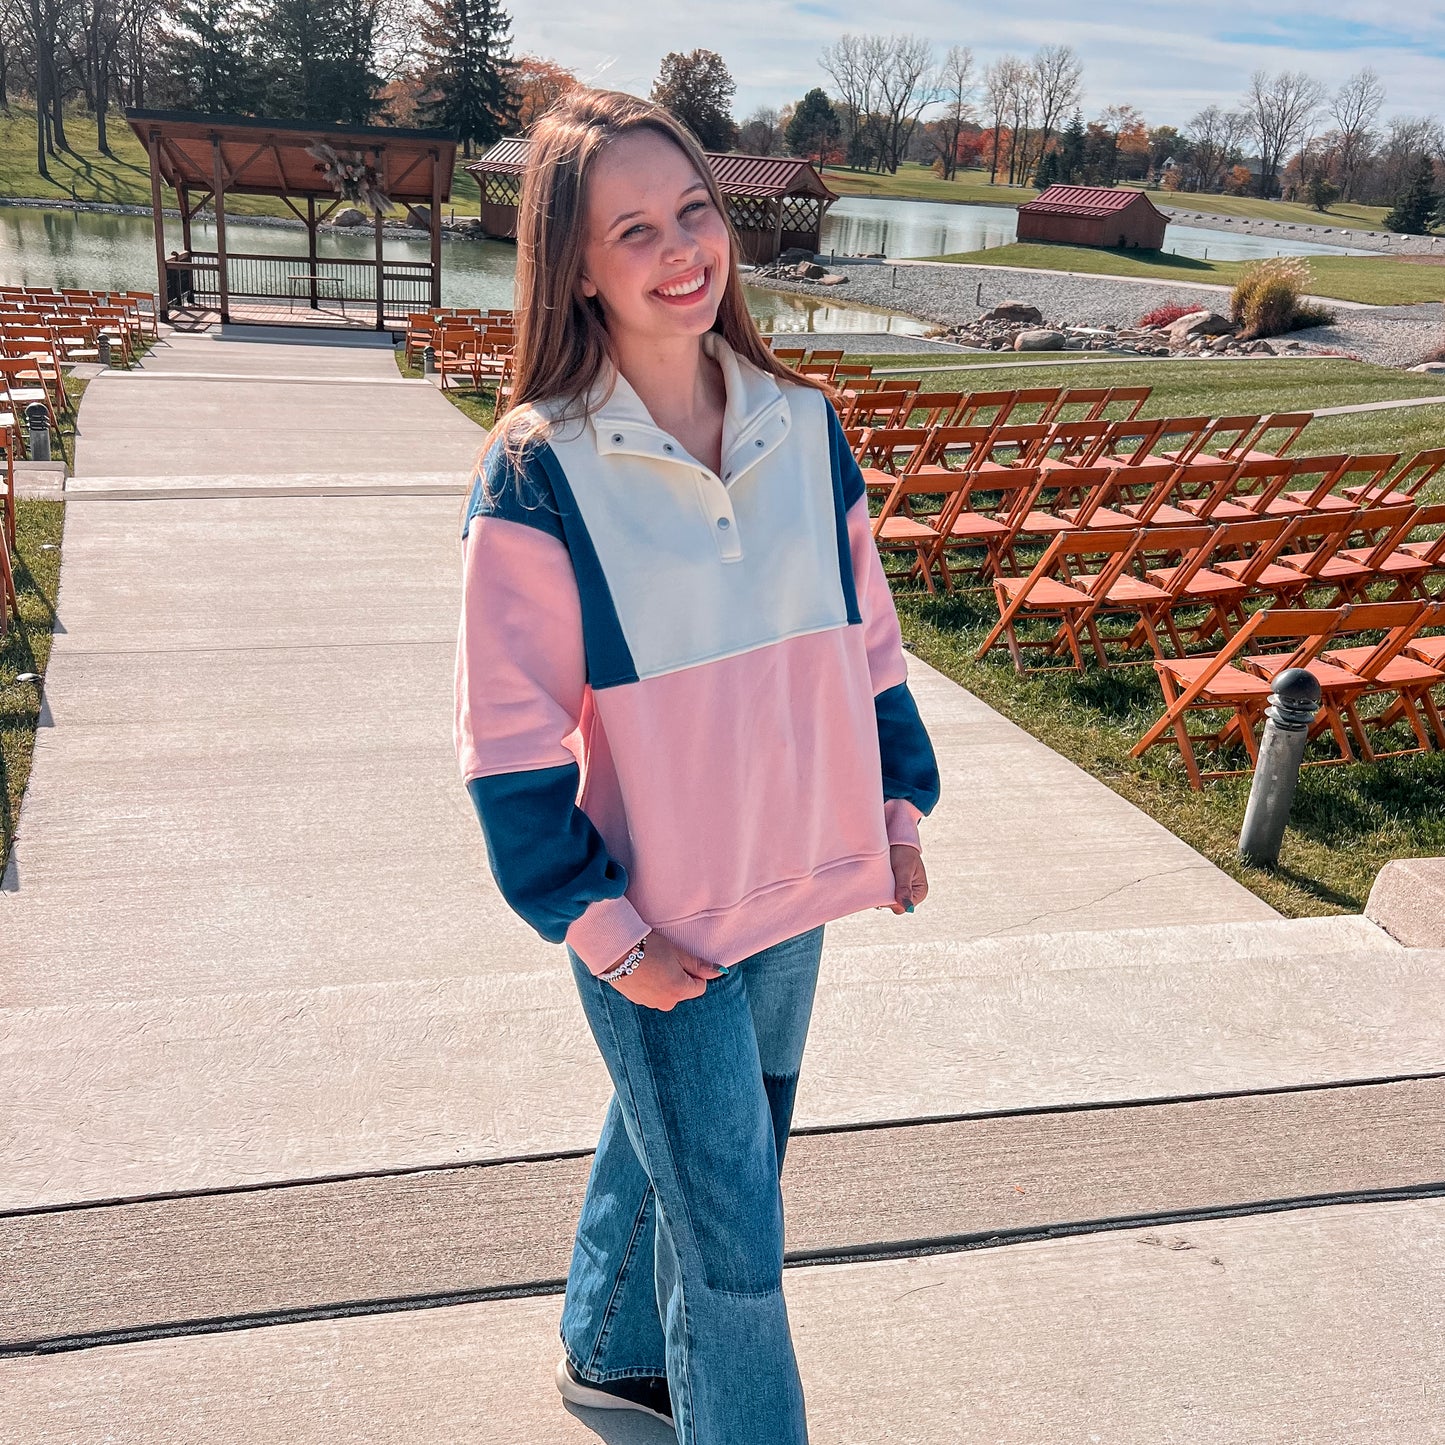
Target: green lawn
26,649
124,177
478,405
917,182
1378,281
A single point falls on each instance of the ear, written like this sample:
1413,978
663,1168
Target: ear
584,283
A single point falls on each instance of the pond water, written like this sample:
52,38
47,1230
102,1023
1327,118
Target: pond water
111,252
865,224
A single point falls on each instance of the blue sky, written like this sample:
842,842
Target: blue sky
1168,57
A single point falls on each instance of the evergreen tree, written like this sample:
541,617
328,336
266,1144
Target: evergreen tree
1047,173
320,59
698,90
205,59
1416,207
468,67
1071,151
814,128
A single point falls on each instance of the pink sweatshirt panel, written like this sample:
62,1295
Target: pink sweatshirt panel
520,659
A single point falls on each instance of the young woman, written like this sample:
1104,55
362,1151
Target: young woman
672,598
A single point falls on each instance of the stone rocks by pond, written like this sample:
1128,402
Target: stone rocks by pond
809,270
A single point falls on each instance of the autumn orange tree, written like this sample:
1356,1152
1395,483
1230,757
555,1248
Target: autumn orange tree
537,84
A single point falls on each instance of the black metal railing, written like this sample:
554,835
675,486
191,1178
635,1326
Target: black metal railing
406,285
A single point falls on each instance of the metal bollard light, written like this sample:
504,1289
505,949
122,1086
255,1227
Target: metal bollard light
103,348
428,361
37,420
1288,719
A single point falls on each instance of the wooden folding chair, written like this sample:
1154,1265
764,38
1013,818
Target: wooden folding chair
887,452
1352,570
1090,402
824,358
1222,583
1222,440
1147,491
1405,485
1217,683
1245,492
934,408
895,529
1387,669
980,407
1027,398
1275,435
1419,555
1320,475
1293,573
1126,402
883,408
986,515
1132,442
1061,588
1072,443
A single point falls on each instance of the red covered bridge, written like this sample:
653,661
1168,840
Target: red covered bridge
1093,216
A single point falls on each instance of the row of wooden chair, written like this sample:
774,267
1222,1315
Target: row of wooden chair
889,401
1357,652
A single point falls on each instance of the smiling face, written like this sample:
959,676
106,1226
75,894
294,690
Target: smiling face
657,250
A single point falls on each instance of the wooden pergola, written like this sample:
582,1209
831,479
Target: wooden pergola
774,202
207,157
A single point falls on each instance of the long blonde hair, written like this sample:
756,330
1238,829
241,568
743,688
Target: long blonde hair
562,341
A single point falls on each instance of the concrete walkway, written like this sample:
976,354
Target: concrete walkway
262,1003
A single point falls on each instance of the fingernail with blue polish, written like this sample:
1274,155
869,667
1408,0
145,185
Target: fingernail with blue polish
908,908
721,969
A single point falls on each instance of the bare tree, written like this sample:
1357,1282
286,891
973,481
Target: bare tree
1280,109
905,91
760,133
1407,139
954,85
1215,136
1022,101
851,65
1000,81
1058,85
1354,109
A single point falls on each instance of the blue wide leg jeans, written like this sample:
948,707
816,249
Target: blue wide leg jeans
677,1267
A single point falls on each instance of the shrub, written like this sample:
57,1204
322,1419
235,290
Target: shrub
1265,299
1311,313
1165,315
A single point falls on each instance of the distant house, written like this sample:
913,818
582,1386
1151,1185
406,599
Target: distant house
1093,216
776,203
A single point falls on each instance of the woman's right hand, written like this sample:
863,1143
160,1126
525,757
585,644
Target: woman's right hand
666,975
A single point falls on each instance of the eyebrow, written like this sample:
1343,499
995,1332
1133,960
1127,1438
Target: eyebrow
698,184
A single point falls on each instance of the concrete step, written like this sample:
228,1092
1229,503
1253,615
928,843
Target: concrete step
176,1095
443,1234
1317,1326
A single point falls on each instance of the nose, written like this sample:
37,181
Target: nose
679,244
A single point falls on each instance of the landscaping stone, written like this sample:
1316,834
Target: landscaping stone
1014,311
1199,323
349,216
1039,339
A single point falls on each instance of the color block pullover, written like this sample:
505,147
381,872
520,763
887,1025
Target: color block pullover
681,698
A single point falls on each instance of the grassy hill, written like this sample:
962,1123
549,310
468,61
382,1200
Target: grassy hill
1377,280
123,177
917,182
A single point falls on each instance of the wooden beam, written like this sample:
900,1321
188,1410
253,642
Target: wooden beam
219,181
236,174
184,197
436,230
159,220
406,174
380,299
311,244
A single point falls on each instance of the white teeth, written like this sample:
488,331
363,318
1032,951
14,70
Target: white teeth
684,290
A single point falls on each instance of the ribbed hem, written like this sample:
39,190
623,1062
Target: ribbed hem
902,817
606,931
786,911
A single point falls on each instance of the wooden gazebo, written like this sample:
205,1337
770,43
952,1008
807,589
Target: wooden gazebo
774,202
207,157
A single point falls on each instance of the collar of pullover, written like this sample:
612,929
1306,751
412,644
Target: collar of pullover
755,422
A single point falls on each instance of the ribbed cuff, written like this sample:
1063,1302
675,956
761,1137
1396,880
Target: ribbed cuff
902,819
608,928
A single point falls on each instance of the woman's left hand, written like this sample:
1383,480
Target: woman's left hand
910,882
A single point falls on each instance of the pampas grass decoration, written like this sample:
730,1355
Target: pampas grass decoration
351,178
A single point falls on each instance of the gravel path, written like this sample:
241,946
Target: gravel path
1320,233
1387,335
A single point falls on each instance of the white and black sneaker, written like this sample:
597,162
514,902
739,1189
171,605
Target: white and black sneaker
647,1393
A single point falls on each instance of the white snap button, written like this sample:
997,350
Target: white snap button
759,442
723,523
617,436
667,446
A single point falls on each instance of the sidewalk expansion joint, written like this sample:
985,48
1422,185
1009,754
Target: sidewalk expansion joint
861,1254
